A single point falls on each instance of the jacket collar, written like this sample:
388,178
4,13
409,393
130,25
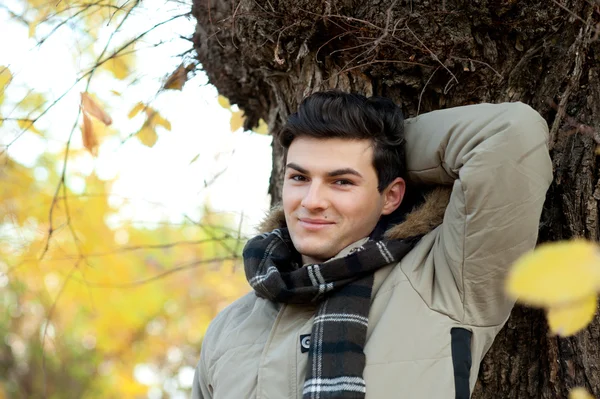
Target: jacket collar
420,221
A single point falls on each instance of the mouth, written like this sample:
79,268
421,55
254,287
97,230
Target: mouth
314,224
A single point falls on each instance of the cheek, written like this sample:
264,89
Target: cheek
360,208
290,197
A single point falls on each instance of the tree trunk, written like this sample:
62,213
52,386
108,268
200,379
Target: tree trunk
266,55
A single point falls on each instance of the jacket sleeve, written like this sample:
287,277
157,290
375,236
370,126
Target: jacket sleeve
200,386
496,158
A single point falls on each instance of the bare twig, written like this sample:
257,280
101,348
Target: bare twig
62,182
577,17
433,55
387,24
138,283
67,20
151,246
211,22
276,57
117,53
384,62
233,23
424,87
332,39
14,15
479,62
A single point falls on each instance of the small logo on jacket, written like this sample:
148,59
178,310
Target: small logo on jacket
304,343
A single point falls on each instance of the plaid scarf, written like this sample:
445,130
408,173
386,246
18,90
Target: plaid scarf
342,288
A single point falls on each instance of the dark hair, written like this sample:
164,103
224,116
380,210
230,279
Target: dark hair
335,114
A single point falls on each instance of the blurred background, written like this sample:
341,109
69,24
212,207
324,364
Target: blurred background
127,191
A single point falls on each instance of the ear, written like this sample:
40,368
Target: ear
392,195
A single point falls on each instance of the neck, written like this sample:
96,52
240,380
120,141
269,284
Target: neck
308,260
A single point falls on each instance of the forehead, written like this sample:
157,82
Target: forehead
332,153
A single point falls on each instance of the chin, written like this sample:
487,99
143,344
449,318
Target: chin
313,251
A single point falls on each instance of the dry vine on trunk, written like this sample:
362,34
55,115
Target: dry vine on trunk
266,55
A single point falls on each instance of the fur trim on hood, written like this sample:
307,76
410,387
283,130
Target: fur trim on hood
421,220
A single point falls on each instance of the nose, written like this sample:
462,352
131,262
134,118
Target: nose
315,198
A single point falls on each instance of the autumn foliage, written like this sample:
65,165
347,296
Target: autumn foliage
94,304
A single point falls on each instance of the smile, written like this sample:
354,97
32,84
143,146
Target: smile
314,224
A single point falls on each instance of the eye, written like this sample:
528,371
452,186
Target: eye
343,182
298,178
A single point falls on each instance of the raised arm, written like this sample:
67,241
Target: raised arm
496,158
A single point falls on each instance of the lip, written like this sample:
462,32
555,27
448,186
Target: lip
314,224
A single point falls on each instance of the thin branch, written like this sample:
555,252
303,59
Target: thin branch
424,87
62,182
67,20
90,71
479,62
233,23
569,11
332,39
14,15
383,62
211,22
151,247
346,18
276,58
137,283
387,23
433,55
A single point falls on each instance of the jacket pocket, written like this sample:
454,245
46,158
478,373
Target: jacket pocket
461,360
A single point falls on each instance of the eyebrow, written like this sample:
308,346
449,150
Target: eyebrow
333,173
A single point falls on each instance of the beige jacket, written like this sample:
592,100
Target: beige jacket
435,314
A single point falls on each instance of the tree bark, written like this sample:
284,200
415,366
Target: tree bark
267,55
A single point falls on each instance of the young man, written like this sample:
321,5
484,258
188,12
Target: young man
346,302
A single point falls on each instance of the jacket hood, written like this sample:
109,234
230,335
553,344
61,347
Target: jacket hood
419,221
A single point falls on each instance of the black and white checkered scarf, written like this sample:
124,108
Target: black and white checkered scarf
341,287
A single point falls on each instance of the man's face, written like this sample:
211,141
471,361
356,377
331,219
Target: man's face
330,195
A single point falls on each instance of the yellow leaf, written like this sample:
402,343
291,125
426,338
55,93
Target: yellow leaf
262,127
121,64
569,319
579,393
5,78
118,67
43,12
177,79
136,109
33,101
32,25
556,274
160,121
237,120
224,102
147,136
116,93
90,142
91,107
28,125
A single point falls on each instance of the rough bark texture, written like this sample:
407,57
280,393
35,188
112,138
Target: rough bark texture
266,55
